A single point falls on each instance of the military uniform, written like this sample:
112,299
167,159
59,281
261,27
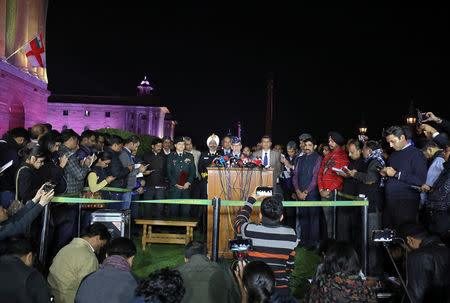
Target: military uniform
175,164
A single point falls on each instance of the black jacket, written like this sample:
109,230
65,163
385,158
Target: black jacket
205,161
20,283
370,179
52,172
8,151
29,182
116,169
352,186
428,270
158,163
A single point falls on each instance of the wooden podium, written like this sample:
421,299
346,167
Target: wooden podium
232,184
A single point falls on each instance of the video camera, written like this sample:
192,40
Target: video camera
386,235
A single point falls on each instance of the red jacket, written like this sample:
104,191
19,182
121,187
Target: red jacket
328,178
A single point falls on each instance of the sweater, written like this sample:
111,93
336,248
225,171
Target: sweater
97,287
411,165
272,244
328,178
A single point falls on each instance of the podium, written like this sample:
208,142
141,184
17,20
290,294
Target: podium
232,184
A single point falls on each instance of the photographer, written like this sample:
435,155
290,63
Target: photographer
53,168
27,178
438,201
427,266
273,243
340,280
16,224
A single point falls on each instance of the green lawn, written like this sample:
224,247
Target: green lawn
167,255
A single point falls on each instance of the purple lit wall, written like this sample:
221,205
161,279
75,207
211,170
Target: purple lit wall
137,119
22,98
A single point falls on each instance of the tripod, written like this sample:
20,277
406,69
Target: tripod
398,272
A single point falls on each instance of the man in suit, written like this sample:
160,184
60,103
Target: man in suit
226,147
270,159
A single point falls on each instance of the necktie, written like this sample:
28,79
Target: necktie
266,160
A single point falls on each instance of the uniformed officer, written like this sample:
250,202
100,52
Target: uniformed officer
206,159
180,162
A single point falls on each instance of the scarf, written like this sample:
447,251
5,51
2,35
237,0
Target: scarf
116,261
377,155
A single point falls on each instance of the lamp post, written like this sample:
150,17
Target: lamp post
411,117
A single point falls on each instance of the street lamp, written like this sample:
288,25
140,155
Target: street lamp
363,130
411,117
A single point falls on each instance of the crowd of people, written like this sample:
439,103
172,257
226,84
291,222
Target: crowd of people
405,176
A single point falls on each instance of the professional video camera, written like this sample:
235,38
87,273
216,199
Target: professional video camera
389,236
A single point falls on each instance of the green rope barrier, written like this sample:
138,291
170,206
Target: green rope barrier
116,189
208,202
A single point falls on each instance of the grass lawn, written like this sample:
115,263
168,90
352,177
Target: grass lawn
158,256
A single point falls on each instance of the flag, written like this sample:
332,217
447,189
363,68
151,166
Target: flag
34,50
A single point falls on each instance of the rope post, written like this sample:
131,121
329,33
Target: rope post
334,215
365,242
216,218
79,220
43,235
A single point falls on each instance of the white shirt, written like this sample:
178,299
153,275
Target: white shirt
166,152
263,154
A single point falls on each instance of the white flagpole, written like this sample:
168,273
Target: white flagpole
34,37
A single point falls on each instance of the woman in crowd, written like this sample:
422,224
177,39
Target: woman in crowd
28,180
97,178
340,280
257,283
53,168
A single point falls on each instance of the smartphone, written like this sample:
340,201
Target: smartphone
48,187
240,244
264,191
415,187
386,235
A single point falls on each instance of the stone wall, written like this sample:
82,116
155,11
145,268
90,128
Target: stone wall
136,119
23,98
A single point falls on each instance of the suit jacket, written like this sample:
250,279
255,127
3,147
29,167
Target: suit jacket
127,160
274,163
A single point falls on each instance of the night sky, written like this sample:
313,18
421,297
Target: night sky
210,65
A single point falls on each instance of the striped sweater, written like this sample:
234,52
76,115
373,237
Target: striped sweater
273,244
328,178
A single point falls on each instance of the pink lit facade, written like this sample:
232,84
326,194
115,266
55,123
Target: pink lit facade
139,119
22,98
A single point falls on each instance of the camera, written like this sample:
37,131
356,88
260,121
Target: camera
240,245
48,187
386,235
264,191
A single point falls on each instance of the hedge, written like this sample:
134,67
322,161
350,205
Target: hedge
146,140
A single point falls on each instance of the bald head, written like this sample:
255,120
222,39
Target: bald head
38,131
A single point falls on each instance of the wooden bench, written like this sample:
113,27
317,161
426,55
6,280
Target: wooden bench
151,237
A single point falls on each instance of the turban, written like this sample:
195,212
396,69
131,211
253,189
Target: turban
337,137
212,138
